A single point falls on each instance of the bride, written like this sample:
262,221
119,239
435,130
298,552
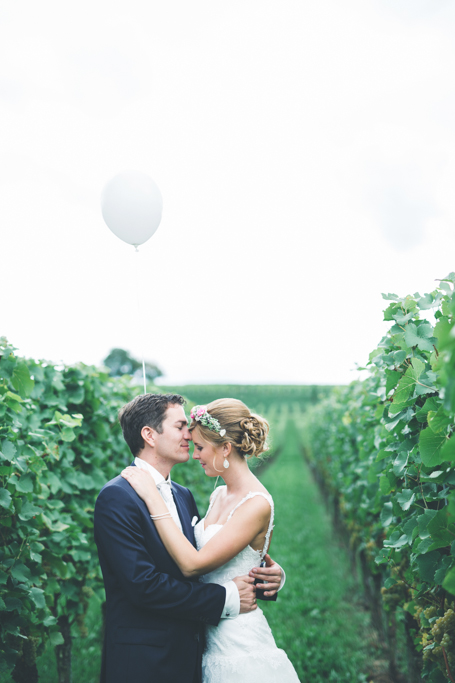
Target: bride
232,539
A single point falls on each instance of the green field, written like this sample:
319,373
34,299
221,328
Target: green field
260,398
317,619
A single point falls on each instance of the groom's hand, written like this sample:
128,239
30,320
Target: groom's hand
270,575
247,591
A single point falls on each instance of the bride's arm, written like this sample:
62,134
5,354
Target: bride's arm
243,527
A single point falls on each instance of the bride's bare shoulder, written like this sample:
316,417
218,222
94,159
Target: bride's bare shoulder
219,491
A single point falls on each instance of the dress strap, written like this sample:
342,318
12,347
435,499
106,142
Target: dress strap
269,499
213,498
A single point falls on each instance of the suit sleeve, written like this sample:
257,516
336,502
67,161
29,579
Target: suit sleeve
120,540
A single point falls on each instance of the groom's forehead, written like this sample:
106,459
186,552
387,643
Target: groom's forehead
175,414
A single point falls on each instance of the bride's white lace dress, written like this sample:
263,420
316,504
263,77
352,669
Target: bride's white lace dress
241,650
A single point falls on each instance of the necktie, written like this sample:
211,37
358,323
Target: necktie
164,487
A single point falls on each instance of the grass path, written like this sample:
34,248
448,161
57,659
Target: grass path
315,619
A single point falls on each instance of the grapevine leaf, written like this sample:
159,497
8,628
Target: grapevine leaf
439,421
424,520
28,511
398,357
411,529
5,498
395,408
430,404
68,434
402,319
12,604
391,422
76,395
442,570
393,377
443,333
387,483
430,447
425,385
37,595
21,572
50,621
382,454
420,547
21,380
448,450
408,382
383,556
387,514
56,638
400,463
420,336
24,484
427,565
442,531
426,301
374,354
405,498
396,543
8,450
449,582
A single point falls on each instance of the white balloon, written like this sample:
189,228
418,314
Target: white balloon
131,204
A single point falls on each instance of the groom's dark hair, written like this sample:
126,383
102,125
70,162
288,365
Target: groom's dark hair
147,410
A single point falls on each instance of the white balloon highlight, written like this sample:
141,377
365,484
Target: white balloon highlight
132,205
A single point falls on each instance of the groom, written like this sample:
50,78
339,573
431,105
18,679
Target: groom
154,616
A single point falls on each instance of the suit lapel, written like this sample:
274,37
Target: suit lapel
183,514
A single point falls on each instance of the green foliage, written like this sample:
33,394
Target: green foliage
385,450
60,442
120,363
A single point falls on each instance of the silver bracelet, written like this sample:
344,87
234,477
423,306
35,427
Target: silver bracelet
166,514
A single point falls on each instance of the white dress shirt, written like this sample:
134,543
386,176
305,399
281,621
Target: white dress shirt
232,602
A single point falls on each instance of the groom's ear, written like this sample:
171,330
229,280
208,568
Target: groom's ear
148,434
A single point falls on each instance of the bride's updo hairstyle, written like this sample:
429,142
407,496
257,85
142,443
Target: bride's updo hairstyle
244,430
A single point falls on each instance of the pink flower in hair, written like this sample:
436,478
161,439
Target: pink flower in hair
201,410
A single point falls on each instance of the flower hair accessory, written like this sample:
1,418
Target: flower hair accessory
200,414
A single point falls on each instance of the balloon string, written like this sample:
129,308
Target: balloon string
138,290
143,374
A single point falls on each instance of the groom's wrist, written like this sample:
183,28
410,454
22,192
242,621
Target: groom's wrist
232,602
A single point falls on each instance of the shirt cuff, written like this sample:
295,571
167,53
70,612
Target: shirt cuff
232,604
283,579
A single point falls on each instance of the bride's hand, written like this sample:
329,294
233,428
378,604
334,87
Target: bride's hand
141,481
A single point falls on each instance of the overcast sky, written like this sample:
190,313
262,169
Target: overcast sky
305,151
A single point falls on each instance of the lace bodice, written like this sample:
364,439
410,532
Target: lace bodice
247,558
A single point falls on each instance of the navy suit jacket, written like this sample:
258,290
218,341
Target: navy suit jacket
155,617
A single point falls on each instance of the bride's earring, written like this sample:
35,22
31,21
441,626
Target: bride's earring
225,463
215,467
